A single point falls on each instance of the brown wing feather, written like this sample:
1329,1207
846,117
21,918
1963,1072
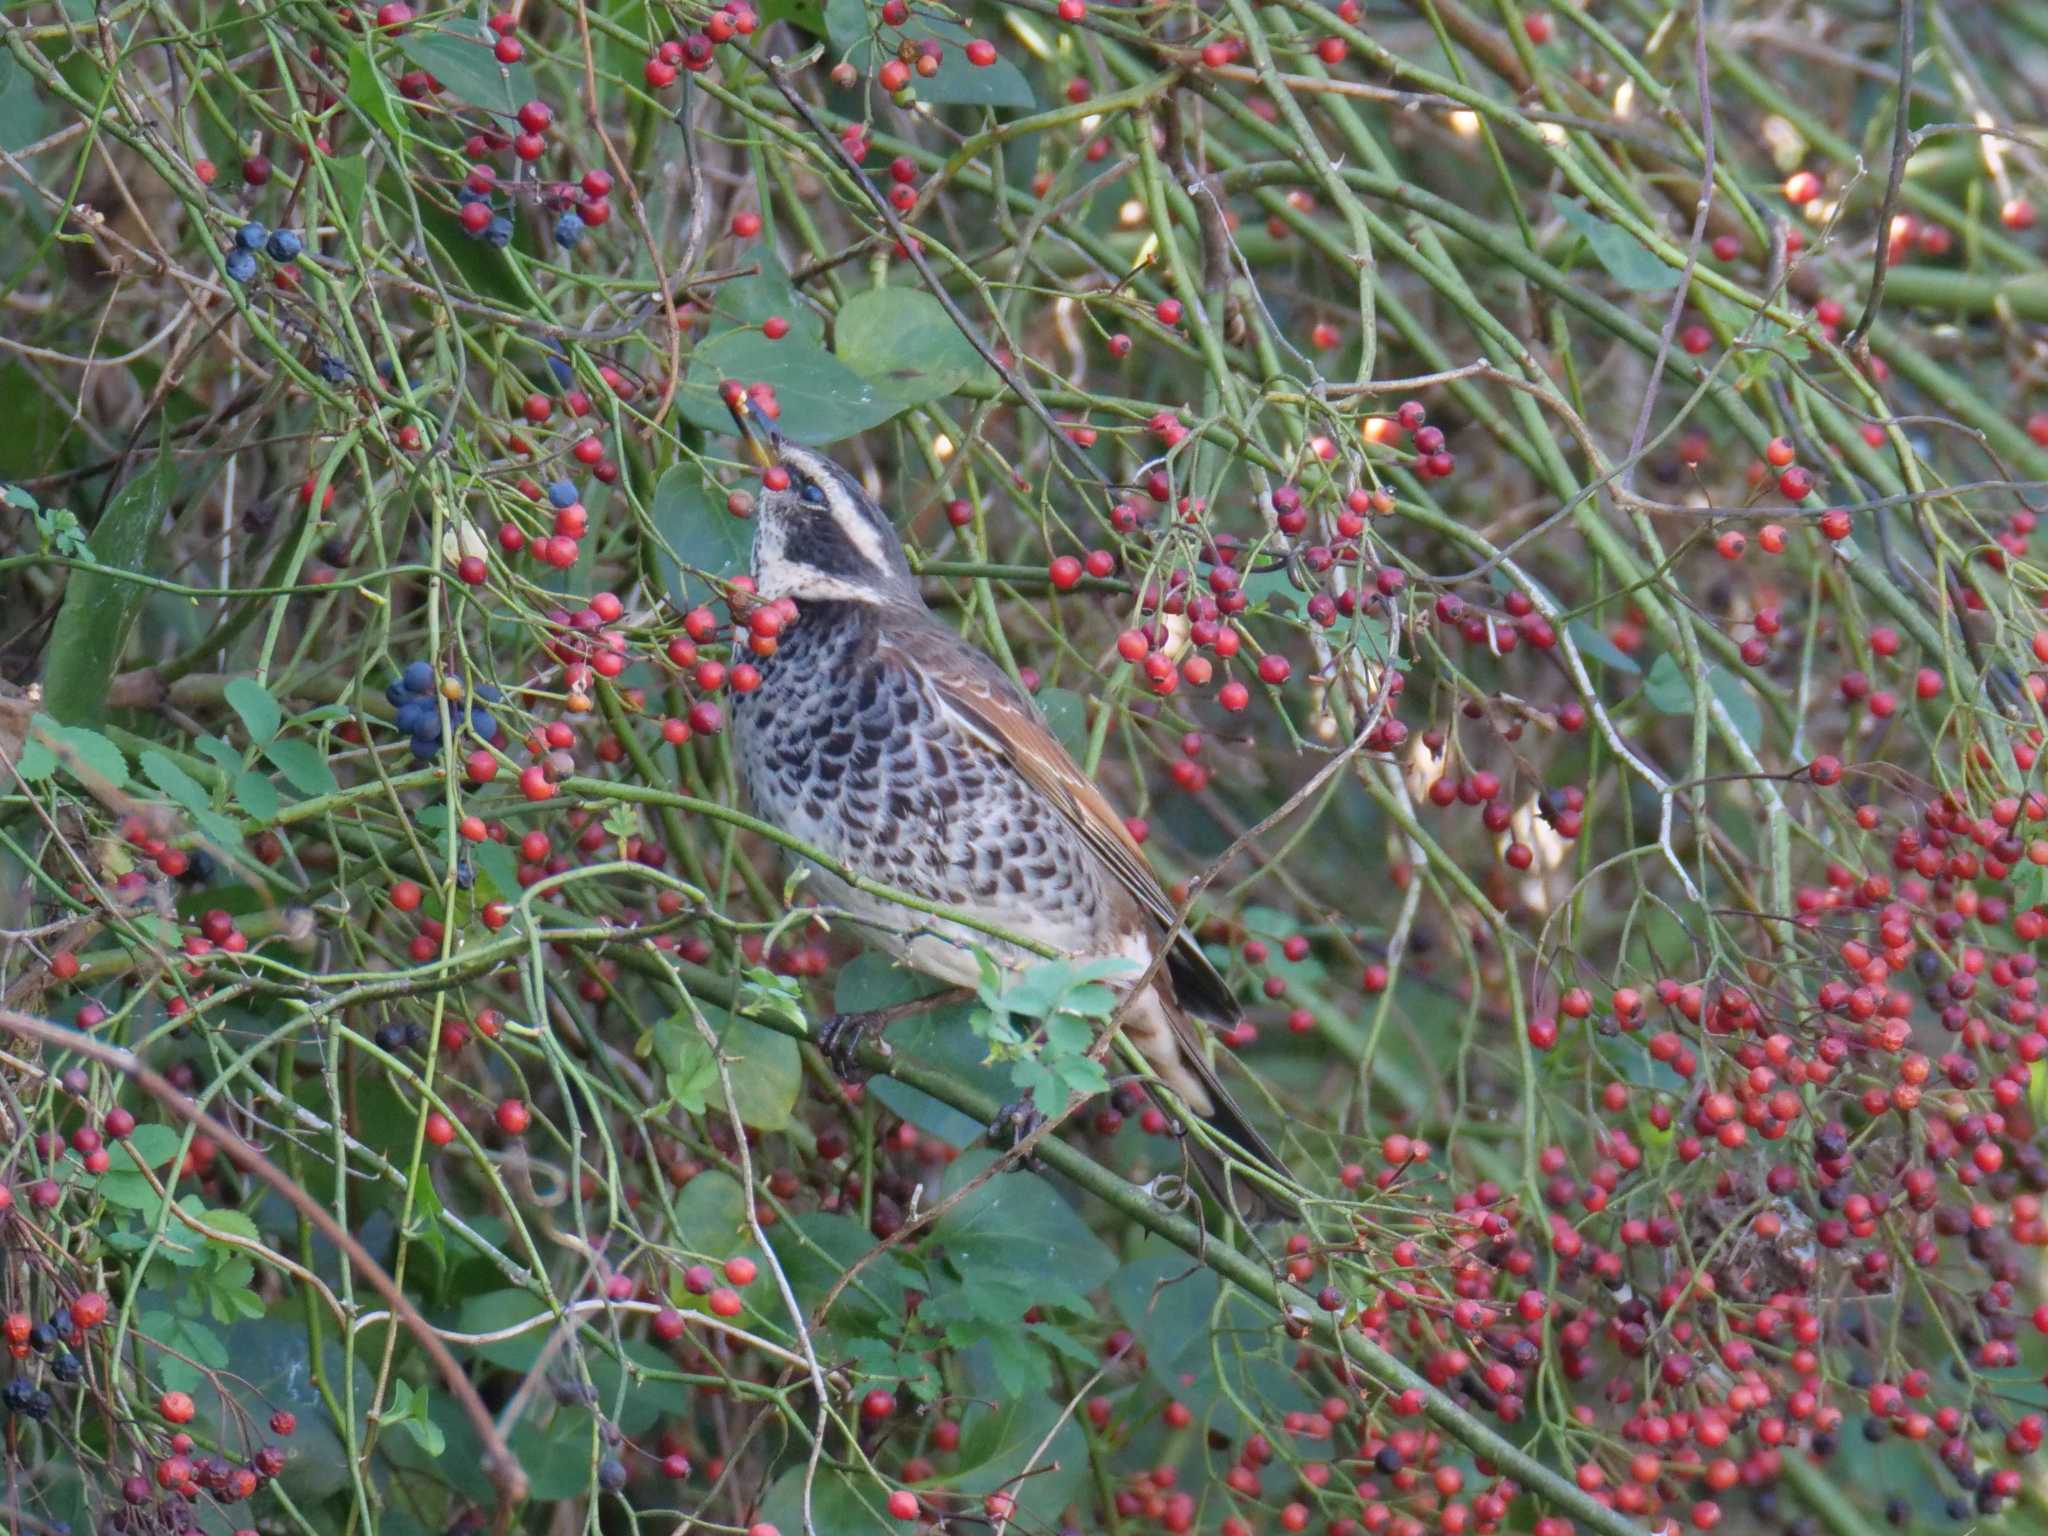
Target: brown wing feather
991,710
985,700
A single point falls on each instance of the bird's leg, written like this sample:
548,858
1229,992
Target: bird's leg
841,1036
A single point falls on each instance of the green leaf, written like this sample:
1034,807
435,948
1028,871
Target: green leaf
1595,646
1066,716
1627,260
225,757
258,796
496,1311
838,1505
747,301
958,83
259,711
765,1068
1667,688
999,1443
623,46
409,1408
24,111
902,341
82,753
711,1213
1767,347
1271,591
1017,1224
183,789
1741,704
351,177
767,1072
702,536
692,1067
459,56
149,1145
304,765
369,93
822,399
817,1248
942,1040
498,868
99,606
1167,1301
808,14
483,267
35,762
1020,1365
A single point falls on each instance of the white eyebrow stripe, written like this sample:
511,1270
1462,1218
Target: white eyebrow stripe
859,532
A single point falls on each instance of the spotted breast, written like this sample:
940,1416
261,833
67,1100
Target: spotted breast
845,746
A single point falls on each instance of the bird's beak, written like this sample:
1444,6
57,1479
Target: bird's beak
756,430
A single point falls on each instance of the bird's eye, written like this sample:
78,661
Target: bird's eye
811,492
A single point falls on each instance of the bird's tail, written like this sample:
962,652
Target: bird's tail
1251,1199
1171,1043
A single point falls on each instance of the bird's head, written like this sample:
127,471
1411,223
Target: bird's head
817,534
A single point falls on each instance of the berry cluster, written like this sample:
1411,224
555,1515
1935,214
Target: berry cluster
250,239
418,701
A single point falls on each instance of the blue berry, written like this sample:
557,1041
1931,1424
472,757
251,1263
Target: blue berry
250,236
425,748
241,266
559,365
419,676
498,233
562,494
484,724
611,1474
469,194
415,716
332,369
490,693
397,694
568,229
283,245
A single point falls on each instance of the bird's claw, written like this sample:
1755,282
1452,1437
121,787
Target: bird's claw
841,1036
1012,1124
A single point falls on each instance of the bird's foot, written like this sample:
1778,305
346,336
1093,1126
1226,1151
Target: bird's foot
841,1036
1012,1124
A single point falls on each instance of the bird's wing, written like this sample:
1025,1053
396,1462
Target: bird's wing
990,711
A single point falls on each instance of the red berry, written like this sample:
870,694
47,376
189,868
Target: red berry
513,1117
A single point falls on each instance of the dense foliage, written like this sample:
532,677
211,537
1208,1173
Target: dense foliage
1529,511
